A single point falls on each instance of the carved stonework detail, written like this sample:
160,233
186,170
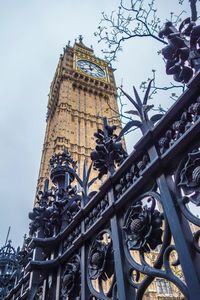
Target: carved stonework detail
76,106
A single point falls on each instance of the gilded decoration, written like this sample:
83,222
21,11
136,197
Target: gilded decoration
83,53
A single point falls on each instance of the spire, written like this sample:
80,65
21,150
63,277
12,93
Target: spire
79,43
7,235
81,39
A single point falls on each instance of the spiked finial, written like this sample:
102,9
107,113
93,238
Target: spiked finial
7,235
80,39
60,164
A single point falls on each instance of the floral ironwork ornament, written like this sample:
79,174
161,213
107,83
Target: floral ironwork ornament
85,183
190,177
140,112
143,227
48,218
71,279
47,215
100,258
108,152
182,53
9,268
60,164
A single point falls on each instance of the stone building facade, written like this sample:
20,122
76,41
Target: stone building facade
82,92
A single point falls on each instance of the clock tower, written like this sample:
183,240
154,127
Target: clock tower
82,92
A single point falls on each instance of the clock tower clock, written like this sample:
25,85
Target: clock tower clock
83,90
91,69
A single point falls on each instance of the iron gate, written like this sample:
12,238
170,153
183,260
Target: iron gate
100,245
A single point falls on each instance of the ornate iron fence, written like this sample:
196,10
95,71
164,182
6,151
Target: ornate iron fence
100,245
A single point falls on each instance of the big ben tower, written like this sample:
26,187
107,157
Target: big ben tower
82,92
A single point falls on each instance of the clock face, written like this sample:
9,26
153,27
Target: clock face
91,69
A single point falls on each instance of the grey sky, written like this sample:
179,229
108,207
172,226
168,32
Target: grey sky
32,35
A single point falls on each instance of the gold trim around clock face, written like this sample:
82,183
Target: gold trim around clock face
91,67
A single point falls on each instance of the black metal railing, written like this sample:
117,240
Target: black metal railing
141,226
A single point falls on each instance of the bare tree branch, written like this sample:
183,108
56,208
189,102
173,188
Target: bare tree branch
177,89
138,20
121,106
134,19
193,9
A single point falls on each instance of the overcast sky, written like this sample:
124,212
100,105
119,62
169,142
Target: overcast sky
33,34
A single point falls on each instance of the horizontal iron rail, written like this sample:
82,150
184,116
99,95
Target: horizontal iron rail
152,170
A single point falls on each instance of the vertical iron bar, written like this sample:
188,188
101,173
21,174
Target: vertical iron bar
44,290
123,287
85,294
84,288
35,275
182,242
180,232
